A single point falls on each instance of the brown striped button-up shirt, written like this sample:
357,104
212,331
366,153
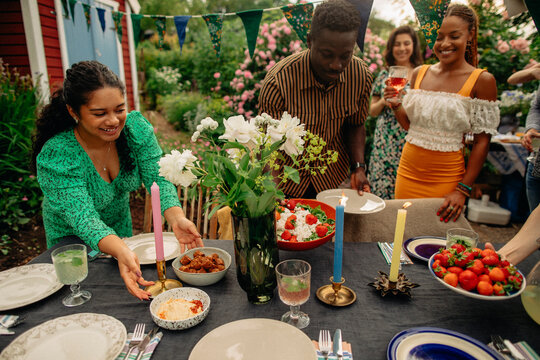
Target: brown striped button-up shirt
291,86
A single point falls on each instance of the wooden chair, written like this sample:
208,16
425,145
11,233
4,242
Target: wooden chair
193,206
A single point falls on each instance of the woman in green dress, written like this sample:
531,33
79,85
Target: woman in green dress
402,49
89,154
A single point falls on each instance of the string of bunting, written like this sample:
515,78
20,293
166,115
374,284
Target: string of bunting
429,13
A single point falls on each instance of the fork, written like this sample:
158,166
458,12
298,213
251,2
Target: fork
138,336
324,343
498,342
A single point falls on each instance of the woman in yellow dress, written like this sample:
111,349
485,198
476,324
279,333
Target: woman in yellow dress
447,100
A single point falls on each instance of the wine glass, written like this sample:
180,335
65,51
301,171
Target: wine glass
294,278
397,78
71,266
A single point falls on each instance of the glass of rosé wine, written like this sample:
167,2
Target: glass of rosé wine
294,280
397,78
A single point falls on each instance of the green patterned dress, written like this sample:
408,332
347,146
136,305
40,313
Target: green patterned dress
77,201
388,141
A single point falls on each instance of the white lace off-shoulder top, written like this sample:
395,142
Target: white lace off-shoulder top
438,120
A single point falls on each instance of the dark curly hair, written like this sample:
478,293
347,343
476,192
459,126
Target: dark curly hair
416,56
335,15
81,80
469,16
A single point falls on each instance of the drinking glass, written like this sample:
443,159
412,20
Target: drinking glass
397,78
71,266
466,237
294,278
530,297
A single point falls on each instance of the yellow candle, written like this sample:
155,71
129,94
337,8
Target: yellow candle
398,241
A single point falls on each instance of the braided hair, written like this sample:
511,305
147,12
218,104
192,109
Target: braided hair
82,79
469,16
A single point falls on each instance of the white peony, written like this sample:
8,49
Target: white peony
294,132
240,130
176,167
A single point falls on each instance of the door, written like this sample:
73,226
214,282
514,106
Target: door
93,43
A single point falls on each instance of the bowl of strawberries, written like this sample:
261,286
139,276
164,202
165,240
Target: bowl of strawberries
476,273
303,224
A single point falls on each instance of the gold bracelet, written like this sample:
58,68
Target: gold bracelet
463,192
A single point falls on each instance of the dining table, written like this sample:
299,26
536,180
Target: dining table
368,324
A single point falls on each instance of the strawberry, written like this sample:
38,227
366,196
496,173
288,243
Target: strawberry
289,225
451,279
321,230
444,258
293,239
476,266
459,248
515,281
440,271
311,219
463,259
491,259
468,280
291,204
286,235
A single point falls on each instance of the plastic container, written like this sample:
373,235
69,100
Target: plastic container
487,212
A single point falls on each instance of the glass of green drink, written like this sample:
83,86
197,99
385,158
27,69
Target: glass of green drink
71,266
466,237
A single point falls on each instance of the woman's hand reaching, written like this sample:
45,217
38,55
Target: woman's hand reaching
130,271
185,230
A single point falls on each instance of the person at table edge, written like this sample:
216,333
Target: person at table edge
446,101
328,89
89,155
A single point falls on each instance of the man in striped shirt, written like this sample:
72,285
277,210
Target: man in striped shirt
328,89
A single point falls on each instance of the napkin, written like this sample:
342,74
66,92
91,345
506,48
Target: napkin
386,250
524,349
347,352
147,352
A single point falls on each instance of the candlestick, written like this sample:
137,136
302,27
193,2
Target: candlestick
156,212
398,242
338,243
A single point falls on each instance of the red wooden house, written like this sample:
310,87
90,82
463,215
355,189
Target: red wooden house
37,39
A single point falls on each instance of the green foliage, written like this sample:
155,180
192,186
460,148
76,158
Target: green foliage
20,195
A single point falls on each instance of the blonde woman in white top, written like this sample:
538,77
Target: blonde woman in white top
447,100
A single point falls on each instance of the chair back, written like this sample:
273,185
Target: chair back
192,200
422,220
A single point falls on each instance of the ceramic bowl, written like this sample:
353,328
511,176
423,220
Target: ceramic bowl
197,279
186,293
298,246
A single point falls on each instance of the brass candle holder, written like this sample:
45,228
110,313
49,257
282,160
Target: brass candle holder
163,284
336,294
400,287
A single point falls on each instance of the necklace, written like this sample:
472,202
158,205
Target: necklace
101,165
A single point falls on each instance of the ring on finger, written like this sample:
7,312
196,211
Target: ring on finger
451,208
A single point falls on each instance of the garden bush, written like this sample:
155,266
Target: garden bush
21,196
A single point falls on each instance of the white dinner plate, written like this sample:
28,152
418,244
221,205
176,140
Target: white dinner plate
144,245
261,339
24,285
83,336
356,204
436,343
422,247
474,294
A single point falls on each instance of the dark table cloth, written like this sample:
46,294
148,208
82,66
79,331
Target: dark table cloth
369,323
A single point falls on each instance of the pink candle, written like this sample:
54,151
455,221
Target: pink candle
156,212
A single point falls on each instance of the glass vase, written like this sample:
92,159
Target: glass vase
256,254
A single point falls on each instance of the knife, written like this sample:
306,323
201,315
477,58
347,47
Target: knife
142,346
338,346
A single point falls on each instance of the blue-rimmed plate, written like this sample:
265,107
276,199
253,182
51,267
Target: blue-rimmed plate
436,343
422,247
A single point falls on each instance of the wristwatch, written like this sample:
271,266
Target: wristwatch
357,165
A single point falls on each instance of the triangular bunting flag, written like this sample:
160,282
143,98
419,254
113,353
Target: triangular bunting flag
86,9
299,16
101,16
72,8
215,26
364,10
136,24
534,9
181,23
65,7
161,25
117,18
252,21
430,14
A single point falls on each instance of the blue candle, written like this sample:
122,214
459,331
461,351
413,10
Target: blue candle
338,244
